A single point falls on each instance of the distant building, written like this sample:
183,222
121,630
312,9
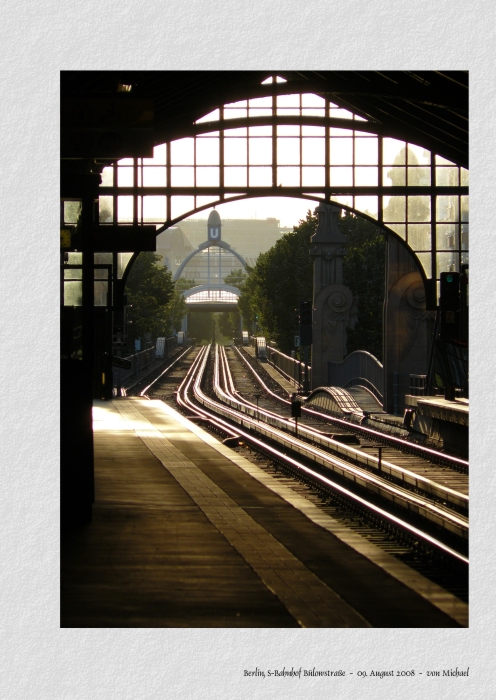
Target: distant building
173,246
248,237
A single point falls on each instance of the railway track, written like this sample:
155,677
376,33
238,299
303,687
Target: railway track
415,517
437,474
342,426
164,382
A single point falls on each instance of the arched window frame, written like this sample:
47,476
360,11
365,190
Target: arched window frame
196,172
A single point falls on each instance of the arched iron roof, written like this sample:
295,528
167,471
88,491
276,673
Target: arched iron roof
429,108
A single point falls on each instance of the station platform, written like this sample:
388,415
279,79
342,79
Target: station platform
444,422
188,533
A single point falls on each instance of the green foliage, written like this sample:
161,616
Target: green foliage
245,308
236,278
201,326
176,311
228,321
283,276
228,324
182,284
150,291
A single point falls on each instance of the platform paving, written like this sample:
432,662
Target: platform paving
187,533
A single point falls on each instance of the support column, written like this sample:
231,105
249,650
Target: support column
408,325
76,449
334,308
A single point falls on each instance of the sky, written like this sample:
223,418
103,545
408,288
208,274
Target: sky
287,210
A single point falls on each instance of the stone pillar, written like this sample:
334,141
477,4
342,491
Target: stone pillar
334,308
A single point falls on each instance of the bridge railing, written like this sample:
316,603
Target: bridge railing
291,368
360,368
143,359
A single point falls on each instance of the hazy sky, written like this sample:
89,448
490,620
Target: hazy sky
289,211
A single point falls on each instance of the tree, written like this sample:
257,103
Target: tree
280,279
236,278
283,276
150,290
183,284
245,307
176,310
201,325
228,324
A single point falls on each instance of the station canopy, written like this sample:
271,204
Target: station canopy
390,145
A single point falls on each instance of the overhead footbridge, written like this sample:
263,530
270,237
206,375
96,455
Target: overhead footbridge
212,297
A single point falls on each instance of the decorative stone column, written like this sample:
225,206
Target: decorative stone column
334,308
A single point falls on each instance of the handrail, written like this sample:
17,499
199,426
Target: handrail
291,368
359,367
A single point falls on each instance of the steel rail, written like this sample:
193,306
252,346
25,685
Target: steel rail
166,370
416,504
369,461
209,410
447,519
426,452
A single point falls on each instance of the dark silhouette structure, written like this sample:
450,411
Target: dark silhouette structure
107,116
